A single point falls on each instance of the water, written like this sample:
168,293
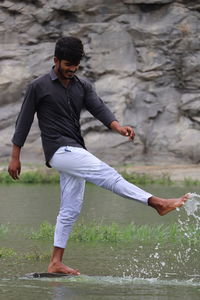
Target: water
106,288
146,271
192,205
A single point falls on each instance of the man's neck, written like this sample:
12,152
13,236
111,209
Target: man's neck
65,82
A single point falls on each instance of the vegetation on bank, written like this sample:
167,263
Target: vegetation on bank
31,177
7,252
114,234
33,255
52,177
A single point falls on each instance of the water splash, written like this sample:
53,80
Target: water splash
178,259
193,204
114,280
192,208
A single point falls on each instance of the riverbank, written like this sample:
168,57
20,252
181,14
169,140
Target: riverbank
175,172
167,174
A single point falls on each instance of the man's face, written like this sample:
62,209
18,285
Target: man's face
66,69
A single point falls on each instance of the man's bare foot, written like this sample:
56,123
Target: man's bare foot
164,206
59,267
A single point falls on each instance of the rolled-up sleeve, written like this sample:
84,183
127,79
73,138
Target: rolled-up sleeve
25,117
97,107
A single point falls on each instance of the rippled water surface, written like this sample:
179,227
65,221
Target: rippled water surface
125,271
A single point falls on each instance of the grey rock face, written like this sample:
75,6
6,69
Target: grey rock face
142,55
147,1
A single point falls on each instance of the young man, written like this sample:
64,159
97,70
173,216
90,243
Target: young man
58,98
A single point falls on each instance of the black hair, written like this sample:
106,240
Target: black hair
69,48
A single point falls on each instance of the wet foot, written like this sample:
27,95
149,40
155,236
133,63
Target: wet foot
59,267
164,206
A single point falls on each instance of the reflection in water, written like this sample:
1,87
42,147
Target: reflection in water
61,292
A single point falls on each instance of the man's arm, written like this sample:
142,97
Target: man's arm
123,130
23,125
100,111
14,167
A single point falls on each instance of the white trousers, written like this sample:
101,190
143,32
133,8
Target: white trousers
77,165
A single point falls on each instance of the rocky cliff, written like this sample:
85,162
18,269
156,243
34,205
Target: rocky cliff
142,55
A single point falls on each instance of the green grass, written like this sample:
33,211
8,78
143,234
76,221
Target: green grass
47,176
144,179
37,255
38,176
45,232
96,232
34,255
31,177
7,252
173,235
114,233
191,182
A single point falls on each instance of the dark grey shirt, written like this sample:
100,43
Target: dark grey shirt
58,110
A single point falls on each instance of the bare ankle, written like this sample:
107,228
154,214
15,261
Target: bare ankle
53,263
155,202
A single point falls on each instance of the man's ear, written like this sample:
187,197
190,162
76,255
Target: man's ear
55,60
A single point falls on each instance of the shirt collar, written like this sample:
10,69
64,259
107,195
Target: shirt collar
53,74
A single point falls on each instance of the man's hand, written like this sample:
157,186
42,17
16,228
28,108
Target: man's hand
123,130
127,131
14,167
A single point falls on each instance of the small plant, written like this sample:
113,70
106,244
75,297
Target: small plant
7,252
36,255
164,179
5,178
144,179
191,182
96,232
39,177
45,232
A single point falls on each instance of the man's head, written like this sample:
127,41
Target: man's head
67,56
69,48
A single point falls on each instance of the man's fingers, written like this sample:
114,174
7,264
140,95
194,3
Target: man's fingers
15,176
133,135
130,133
19,171
14,169
14,173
